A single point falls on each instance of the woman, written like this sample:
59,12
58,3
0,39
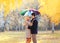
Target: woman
28,32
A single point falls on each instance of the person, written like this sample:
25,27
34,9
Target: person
34,28
28,32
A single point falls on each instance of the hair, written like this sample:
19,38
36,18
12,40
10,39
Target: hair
33,14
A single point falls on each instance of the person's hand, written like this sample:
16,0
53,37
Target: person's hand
31,24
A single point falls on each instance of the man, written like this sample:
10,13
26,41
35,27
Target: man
34,28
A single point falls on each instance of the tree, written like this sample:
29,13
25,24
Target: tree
34,4
12,21
53,25
43,23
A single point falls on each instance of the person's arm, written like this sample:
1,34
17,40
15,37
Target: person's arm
29,23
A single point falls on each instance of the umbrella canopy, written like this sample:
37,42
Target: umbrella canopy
23,12
35,11
28,13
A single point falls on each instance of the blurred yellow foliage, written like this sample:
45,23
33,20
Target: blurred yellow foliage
52,9
49,7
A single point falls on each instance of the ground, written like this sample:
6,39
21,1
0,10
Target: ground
19,37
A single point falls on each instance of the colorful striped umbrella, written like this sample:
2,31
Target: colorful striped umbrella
35,11
23,12
28,13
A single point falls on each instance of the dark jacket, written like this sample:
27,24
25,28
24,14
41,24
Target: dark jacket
34,27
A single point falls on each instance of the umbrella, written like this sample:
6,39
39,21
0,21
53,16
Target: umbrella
35,11
28,13
23,12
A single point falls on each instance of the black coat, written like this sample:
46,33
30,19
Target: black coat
34,27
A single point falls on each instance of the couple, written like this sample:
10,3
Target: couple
31,28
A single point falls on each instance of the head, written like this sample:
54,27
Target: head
33,15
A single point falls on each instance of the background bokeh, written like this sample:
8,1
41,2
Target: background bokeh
49,7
